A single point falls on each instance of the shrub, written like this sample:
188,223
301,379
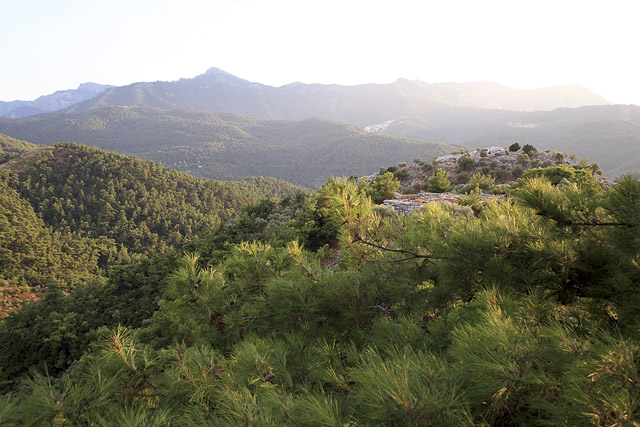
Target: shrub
401,173
529,149
466,163
595,169
439,182
426,167
514,147
472,199
383,187
484,182
417,187
462,178
558,173
523,159
517,171
501,173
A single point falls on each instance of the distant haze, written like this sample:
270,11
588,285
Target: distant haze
49,46
472,114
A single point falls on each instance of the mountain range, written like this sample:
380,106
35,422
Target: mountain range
53,102
362,105
259,129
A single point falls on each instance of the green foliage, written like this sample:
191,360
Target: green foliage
407,387
439,182
484,182
140,205
401,173
426,167
11,147
57,330
523,160
274,222
525,313
33,256
383,187
514,147
466,162
462,178
472,199
561,173
517,171
529,149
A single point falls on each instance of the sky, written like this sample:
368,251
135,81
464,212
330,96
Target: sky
50,45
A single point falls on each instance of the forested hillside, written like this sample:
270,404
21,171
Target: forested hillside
34,256
227,146
328,310
140,204
70,211
11,147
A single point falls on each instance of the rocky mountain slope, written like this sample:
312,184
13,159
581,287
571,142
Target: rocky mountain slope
483,172
49,103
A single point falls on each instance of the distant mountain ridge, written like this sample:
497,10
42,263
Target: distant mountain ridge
53,102
568,118
362,105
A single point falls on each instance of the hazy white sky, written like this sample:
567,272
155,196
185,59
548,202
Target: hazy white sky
49,45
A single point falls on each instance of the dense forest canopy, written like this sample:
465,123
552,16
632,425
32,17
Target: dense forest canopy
69,212
11,147
140,204
325,309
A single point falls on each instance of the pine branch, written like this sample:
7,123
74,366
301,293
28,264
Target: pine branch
412,254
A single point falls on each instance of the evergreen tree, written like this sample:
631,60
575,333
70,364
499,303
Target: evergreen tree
439,182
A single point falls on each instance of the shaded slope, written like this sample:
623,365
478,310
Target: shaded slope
141,205
227,146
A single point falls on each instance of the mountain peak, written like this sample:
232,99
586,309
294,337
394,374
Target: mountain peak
213,71
214,74
93,86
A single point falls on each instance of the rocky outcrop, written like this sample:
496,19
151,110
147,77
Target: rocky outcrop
407,203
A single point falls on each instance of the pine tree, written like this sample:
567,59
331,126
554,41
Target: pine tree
439,182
